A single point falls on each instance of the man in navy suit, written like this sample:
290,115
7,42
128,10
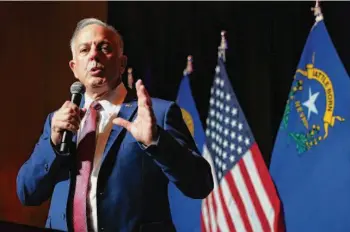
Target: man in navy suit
142,143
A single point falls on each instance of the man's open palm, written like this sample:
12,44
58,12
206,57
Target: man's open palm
144,127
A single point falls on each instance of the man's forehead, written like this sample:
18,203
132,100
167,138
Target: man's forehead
94,32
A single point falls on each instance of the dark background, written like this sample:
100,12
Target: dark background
265,42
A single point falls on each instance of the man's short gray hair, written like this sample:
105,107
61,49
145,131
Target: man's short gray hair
89,21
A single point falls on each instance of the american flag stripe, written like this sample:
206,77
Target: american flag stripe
231,203
205,204
203,226
222,211
239,181
220,217
264,176
254,190
277,224
264,200
238,199
212,215
225,209
214,205
209,218
207,215
235,178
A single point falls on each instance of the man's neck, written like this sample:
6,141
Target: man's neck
115,95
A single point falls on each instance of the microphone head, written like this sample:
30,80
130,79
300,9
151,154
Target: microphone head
77,88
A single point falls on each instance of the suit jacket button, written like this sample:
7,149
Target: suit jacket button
102,229
63,216
46,167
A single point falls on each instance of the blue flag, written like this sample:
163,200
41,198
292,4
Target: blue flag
311,158
189,112
186,211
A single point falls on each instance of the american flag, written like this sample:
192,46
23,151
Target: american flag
244,197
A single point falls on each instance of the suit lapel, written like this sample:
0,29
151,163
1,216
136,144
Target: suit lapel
127,111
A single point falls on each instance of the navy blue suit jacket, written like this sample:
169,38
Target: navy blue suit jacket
132,182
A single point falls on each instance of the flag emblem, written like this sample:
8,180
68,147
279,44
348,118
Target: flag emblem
188,120
312,99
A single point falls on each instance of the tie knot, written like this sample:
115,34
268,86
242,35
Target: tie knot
95,105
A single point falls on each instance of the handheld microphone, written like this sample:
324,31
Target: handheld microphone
77,90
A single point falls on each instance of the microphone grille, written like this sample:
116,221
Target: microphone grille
77,88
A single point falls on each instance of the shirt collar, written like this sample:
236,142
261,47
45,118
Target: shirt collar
114,99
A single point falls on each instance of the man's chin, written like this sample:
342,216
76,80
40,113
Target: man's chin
98,82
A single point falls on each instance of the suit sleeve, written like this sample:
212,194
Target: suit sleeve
36,177
177,155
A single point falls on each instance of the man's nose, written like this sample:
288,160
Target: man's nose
94,54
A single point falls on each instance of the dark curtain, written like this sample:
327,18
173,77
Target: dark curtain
265,41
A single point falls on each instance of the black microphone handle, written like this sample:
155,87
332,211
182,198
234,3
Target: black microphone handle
64,147
68,135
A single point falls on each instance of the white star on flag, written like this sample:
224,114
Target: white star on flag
217,69
310,103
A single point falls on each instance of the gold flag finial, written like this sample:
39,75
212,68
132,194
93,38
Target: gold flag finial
189,66
223,46
130,78
317,11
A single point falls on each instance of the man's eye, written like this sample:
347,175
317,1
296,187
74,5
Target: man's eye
83,50
106,49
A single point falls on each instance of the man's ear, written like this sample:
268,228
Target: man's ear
72,67
123,63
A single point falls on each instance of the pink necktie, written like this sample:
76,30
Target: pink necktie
85,156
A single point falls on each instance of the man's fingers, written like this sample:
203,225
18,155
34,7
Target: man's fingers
74,121
82,113
66,114
145,111
68,117
143,102
69,111
65,104
74,107
70,105
139,92
123,123
138,84
65,125
142,94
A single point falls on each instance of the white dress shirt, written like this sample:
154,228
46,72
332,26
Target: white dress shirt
109,110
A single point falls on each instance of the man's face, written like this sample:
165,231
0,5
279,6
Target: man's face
97,61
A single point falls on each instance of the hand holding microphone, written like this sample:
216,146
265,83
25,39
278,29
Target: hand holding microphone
66,120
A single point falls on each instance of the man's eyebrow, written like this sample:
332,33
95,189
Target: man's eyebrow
102,42
105,41
82,44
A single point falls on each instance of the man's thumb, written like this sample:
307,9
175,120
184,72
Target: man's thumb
122,122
